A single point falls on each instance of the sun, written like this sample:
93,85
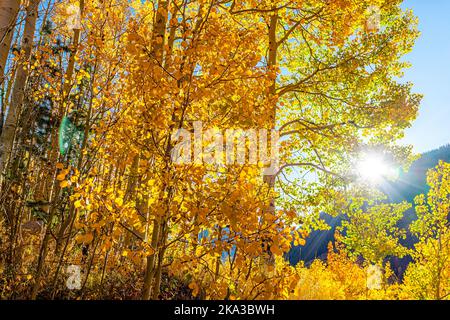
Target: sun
373,168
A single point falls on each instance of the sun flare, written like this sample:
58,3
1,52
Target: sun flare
373,168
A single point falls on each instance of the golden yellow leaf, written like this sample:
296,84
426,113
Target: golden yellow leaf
119,201
77,204
64,184
195,288
85,238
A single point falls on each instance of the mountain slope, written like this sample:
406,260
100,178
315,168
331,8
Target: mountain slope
409,185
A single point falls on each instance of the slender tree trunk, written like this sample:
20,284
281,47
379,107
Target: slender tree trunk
8,15
158,53
150,268
8,132
269,178
158,271
437,294
71,65
54,150
59,112
72,211
271,63
42,255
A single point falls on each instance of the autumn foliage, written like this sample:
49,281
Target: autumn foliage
92,92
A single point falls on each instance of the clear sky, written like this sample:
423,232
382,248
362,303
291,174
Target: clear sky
430,73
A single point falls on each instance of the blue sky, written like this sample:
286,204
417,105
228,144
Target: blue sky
430,73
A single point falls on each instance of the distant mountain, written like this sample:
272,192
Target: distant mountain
316,243
409,185
413,182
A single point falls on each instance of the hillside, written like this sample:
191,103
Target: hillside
413,182
409,185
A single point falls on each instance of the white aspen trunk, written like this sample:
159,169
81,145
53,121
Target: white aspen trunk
8,15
